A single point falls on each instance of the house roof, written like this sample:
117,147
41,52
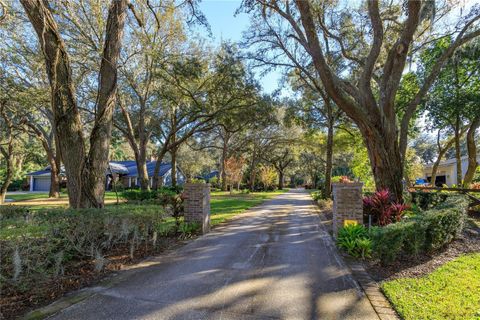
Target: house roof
211,175
127,168
133,172
44,172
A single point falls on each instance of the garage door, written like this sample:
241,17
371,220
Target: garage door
41,184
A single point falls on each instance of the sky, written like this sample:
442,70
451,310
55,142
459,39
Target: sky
226,26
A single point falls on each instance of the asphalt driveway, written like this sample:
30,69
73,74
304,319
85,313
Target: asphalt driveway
275,262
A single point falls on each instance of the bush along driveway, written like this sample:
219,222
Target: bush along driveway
418,256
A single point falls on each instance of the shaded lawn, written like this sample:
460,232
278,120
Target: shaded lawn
224,206
450,292
109,195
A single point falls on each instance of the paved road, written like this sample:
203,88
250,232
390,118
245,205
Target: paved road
275,262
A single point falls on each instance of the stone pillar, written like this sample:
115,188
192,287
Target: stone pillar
197,204
347,204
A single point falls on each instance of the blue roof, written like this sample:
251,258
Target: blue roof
39,172
212,174
133,172
129,168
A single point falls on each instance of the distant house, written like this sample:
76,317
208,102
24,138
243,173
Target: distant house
126,170
447,171
209,176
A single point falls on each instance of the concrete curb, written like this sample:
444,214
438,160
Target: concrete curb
373,292
370,287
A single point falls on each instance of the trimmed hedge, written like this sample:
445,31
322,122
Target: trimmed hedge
429,200
144,195
424,233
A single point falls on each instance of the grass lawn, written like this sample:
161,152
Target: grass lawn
224,206
450,292
109,195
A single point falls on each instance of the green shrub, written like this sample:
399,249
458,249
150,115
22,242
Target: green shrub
442,226
414,237
40,247
149,195
317,195
12,212
428,231
354,239
387,242
428,200
188,229
364,248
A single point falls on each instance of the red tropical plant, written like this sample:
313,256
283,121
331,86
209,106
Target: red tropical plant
381,206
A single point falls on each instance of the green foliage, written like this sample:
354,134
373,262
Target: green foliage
414,237
429,231
40,246
12,212
187,230
428,200
360,164
354,239
317,195
449,292
146,195
388,242
442,226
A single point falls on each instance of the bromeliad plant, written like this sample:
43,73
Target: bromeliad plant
355,240
382,208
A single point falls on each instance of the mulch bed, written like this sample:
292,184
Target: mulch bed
15,301
468,242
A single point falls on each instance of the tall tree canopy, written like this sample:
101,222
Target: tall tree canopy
374,41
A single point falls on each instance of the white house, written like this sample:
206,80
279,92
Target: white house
447,171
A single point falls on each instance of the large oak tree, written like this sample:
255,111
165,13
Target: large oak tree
85,169
375,41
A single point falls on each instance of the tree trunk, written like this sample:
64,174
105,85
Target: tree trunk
8,155
280,179
458,155
54,178
49,145
142,168
85,173
435,169
223,172
441,153
329,160
98,157
157,180
472,152
173,153
385,160
253,172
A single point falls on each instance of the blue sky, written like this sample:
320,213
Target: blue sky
225,25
